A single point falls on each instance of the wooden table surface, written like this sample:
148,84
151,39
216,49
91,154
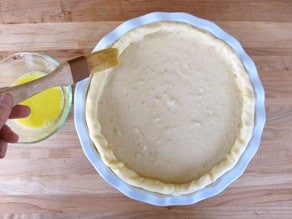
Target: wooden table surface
54,179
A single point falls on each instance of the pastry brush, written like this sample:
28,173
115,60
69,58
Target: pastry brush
66,74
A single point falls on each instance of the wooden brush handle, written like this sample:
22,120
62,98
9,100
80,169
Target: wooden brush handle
60,77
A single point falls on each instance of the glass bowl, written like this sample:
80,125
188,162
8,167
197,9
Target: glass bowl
14,67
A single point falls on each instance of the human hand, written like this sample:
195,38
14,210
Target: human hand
7,111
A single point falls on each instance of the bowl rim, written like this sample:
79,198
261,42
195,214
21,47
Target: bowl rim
65,89
225,180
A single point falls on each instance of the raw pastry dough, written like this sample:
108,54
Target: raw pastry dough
176,114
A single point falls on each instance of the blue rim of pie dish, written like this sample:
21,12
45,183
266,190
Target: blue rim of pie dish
226,179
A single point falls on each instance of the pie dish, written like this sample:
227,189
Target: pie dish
176,117
176,114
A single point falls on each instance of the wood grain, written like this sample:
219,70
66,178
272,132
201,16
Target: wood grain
111,10
53,178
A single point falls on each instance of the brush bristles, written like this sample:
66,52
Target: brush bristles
103,59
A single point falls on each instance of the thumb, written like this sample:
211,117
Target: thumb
6,104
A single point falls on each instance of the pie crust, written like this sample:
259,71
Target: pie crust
176,114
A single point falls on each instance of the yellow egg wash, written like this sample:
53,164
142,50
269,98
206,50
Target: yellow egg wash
45,106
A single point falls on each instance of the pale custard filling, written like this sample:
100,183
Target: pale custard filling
169,118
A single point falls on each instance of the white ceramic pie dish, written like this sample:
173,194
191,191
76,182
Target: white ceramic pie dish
154,198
